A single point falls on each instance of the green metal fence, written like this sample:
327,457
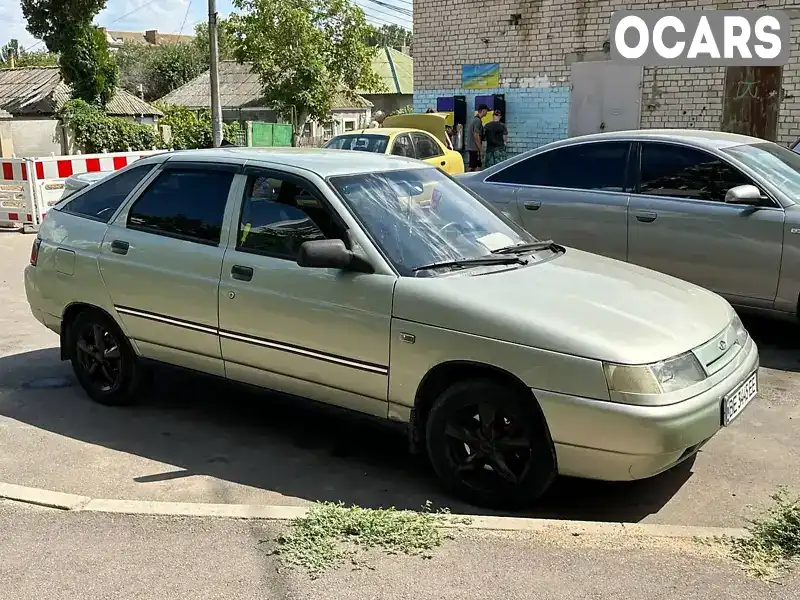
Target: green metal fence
266,135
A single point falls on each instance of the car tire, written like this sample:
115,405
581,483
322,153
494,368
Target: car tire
103,359
514,443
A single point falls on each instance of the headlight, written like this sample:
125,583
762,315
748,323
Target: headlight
741,332
662,377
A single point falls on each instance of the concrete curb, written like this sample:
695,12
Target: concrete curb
76,503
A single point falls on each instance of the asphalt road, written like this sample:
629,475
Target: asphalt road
75,556
201,441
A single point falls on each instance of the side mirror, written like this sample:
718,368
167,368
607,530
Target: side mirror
743,194
331,254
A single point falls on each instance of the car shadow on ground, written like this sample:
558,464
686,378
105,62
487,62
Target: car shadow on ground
778,342
277,444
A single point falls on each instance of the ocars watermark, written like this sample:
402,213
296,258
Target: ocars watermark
700,37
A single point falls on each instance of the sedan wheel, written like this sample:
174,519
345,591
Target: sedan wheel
102,359
489,446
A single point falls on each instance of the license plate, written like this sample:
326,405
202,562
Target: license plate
733,404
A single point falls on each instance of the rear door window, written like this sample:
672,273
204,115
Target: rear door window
426,147
102,199
597,166
402,146
184,203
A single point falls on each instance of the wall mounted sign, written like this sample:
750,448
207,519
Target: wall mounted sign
480,77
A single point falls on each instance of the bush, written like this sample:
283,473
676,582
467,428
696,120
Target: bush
192,128
96,132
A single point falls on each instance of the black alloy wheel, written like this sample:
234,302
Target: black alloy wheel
490,445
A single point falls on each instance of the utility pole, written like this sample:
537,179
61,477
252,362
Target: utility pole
216,109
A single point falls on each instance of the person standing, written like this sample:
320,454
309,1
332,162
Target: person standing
496,135
377,120
475,139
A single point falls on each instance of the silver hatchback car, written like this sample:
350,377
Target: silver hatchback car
382,286
717,209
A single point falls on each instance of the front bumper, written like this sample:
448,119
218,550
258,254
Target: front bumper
618,442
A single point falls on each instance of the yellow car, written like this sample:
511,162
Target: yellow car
420,136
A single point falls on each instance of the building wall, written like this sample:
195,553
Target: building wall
388,103
536,41
34,137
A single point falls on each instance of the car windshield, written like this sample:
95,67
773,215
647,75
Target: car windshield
364,143
420,217
778,165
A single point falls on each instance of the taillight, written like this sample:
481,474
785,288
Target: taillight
35,251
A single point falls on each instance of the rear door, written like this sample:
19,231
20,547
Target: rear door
428,149
576,195
161,260
680,224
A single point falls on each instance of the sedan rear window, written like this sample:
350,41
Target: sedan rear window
364,143
776,164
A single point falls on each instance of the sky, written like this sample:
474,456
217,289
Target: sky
175,16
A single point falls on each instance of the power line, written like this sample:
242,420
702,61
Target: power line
186,16
127,14
402,11
377,10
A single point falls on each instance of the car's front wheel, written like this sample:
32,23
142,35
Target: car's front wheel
489,444
102,358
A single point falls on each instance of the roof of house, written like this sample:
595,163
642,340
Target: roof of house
151,37
28,91
239,87
396,71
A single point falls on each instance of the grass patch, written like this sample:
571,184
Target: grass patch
332,534
774,542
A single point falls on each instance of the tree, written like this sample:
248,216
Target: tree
305,52
158,69
388,35
225,40
192,128
24,58
66,28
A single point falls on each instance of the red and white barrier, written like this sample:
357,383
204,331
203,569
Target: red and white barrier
30,186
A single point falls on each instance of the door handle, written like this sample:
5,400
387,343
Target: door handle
120,247
242,273
645,216
532,205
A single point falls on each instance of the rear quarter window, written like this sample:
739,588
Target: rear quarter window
101,200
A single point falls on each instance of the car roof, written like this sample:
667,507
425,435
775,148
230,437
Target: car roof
385,131
323,162
697,137
92,176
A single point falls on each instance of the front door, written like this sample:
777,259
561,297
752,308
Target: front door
575,195
161,260
679,224
317,333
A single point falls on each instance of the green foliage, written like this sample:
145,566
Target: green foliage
388,35
96,132
88,67
158,69
192,129
405,110
57,22
225,40
774,541
331,534
304,52
24,58
66,28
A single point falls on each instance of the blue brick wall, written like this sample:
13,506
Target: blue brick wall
535,116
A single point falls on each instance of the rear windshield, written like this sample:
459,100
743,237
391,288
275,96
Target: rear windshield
778,165
365,143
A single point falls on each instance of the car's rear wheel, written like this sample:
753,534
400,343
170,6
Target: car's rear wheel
489,444
102,359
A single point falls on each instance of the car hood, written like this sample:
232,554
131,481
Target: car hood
577,303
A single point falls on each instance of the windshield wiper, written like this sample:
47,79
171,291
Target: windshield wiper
543,245
474,262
